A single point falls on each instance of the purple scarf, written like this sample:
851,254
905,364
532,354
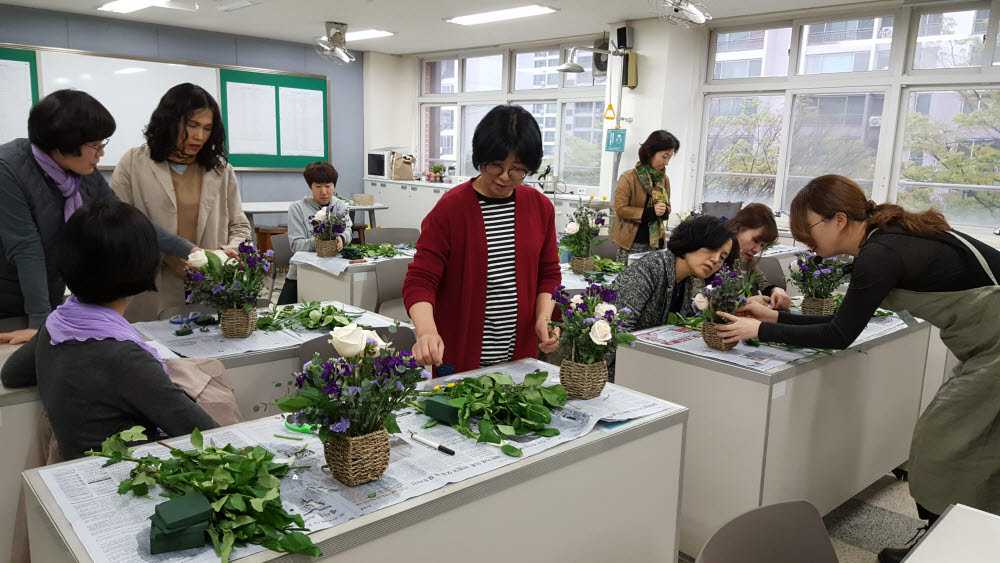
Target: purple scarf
67,182
79,321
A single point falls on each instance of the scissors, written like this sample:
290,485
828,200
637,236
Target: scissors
184,319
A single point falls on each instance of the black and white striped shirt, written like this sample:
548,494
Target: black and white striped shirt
500,324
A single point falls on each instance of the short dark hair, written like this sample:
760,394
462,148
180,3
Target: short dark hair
755,216
165,125
703,231
657,141
320,172
66,119
507,129
108,250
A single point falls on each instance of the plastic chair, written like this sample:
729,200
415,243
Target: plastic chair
404,339
171,312
389,276
282,258
319,344
608,250
788,532
721,209
772,269
391,235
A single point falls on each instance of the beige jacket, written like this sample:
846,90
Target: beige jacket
221,222
630,202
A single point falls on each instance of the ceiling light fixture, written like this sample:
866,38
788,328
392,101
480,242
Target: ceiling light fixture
367,34
501,15
130,70
129,6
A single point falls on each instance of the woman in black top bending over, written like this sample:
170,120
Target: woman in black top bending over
911,261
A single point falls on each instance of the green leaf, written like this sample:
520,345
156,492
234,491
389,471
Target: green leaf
228,538
502,378
134,434
506,430
487,433
511,450
196,439
297,542
217,505
390,424
535,378
429,423
293,404
268,481
457,402
236,503
547,432
537,413
371,495
554,396
125,486
140,489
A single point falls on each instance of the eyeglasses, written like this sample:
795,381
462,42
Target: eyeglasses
516,174
98,147
817,223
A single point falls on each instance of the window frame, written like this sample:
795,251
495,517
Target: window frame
914,25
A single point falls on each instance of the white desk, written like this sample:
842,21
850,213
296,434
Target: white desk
820,429
355,285
961,534
250,208
577,501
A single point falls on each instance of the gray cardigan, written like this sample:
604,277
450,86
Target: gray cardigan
31,219
97,388
300,233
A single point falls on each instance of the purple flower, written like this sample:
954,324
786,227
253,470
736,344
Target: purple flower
246,248
425,374
609,316
217,289
188,298
267,266
589,320
353,389
816,274
805,267
399,385
236,284
269,253
197,276
333,389
341,426
300,379
626,310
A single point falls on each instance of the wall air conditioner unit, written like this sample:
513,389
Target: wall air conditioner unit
875,121
885,33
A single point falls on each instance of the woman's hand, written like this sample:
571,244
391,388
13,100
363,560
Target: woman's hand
739,328
548,337
758,299
231,253
340,244
429,350
177,266
757,311
660,208
17,336
780,301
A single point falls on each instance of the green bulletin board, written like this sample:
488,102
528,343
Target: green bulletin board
278,81
28,56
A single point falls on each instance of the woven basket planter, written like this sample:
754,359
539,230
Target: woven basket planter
581,265
364,199
818,307
358,460
583,381
237,323
712,337
326,248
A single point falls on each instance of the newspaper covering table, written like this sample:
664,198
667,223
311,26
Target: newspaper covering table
780,249
115,528
576,282
212,344
764,357
336,265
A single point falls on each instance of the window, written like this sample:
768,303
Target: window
439,135
585,78
833,132
471,116
483,74
846,46
996,51
536,69
582,136
951,158
546,116
741,154
749,54
440,77
950,39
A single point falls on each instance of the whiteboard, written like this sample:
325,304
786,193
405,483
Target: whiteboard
129,88
15,91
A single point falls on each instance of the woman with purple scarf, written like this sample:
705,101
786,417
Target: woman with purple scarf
43,180
95,374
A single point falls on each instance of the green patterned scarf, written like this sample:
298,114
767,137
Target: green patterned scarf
655,184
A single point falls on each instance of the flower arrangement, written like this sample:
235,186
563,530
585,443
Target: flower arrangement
352,400
816,278
590,326
230,285
580,236
327,224
725,292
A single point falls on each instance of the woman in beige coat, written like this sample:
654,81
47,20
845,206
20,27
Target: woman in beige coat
180,179
642,198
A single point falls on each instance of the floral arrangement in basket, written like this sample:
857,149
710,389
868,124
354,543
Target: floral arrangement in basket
817,278
352,399
591,326
230,285
328,225
727,291
580,236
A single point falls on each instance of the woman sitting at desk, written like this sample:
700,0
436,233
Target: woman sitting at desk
661,282
756,230
95,374
182,180
912,261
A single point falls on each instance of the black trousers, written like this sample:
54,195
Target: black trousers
289,293
925,514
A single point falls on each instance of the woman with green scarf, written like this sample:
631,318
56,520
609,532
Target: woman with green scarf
642,198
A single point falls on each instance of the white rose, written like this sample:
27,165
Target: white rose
371,335
600,333
701,302
320,215
349,341
604,308
576,300
197,259
572,228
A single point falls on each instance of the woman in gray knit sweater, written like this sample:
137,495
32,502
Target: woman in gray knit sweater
661,282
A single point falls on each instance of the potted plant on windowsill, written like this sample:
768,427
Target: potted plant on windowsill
579,238
328,227
816,278
437,170
725,292
231,285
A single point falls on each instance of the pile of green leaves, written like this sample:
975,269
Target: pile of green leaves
502,407
607,265
687,322
242,485
377,250
310,315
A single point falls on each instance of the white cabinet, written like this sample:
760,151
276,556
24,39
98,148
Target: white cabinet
408,203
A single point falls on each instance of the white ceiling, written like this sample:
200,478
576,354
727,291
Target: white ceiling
418,25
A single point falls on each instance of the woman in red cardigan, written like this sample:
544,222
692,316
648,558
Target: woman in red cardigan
475,297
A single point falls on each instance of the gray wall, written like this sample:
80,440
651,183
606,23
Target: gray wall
45,28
